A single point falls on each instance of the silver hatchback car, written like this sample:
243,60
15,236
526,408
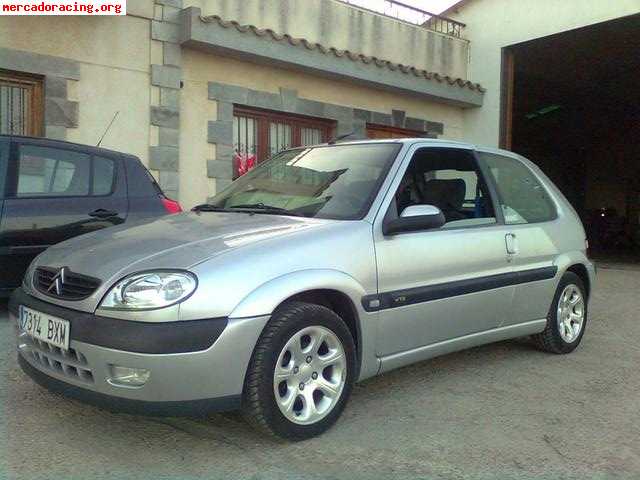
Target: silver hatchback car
321,267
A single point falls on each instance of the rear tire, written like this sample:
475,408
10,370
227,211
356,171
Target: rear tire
567,318
301,372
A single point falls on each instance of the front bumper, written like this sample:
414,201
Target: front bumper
181,383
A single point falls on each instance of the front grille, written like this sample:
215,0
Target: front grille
74,287
70,363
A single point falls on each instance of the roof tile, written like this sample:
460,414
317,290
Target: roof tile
356,57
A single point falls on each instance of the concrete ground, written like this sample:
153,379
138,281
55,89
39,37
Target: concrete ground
499,411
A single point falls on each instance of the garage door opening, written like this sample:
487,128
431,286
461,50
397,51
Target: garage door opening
571,103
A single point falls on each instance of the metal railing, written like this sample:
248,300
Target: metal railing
411,14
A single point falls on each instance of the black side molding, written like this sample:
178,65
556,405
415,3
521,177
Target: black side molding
126,335
399,298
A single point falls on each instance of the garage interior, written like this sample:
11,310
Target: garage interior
571,103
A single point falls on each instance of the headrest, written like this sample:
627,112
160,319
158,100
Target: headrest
445,193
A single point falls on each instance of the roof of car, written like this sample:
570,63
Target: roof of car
433,141
64,142
436,142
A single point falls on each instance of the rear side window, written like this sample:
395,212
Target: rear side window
44,171
523,198
4,156
54,172
103,175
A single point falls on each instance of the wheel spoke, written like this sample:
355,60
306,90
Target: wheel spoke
316,342
331,390
310,410
283,373
289,400
295,347
331,358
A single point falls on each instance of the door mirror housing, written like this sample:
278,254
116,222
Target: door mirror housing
415,218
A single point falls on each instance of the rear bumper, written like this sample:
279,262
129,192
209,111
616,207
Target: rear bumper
187,382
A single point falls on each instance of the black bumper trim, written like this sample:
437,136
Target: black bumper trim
189,408
126,335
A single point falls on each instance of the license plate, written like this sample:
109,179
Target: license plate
44,327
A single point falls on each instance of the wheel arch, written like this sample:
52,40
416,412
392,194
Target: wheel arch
578,263
333,289
581,271
339,303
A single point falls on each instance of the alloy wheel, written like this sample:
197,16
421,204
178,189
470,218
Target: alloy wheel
570,313
310,375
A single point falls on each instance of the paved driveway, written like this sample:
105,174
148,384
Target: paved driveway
499,411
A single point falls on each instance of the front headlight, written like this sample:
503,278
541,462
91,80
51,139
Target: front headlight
27,280
150,290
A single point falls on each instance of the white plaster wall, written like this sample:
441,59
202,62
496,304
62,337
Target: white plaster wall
494,24
195,112
114,55
335,24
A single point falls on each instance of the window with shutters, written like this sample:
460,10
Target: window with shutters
260,134
21,104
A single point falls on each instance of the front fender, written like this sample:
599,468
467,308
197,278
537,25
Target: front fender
264,299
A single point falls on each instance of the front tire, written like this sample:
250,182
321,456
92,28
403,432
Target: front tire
301,372
567,318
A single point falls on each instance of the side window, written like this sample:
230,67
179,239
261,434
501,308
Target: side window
103,176
4,156
450,180
523,198
45,171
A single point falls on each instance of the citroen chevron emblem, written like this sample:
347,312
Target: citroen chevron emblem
58,281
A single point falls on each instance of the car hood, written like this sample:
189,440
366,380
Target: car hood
174,241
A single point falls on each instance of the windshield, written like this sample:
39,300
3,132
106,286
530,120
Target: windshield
334,181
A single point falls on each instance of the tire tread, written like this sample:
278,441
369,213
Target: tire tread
549,340
253,409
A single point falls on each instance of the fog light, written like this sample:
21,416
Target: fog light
128,377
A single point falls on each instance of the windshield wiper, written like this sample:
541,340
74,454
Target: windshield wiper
261,207
207,207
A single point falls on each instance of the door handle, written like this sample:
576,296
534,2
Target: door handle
102,213
511,243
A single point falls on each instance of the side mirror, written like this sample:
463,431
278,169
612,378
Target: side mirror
415,218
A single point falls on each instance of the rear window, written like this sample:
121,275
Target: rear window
153,181
103,175
523,198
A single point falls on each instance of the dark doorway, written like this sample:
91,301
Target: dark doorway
574,109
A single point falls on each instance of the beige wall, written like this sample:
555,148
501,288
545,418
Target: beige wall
494,24
335,24
200,68
195,112
114,56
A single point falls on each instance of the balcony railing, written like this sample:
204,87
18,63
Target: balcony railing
411,14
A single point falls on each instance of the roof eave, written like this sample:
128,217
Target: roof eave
297,54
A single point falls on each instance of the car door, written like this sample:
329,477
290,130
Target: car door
441,284
56,191
530,217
